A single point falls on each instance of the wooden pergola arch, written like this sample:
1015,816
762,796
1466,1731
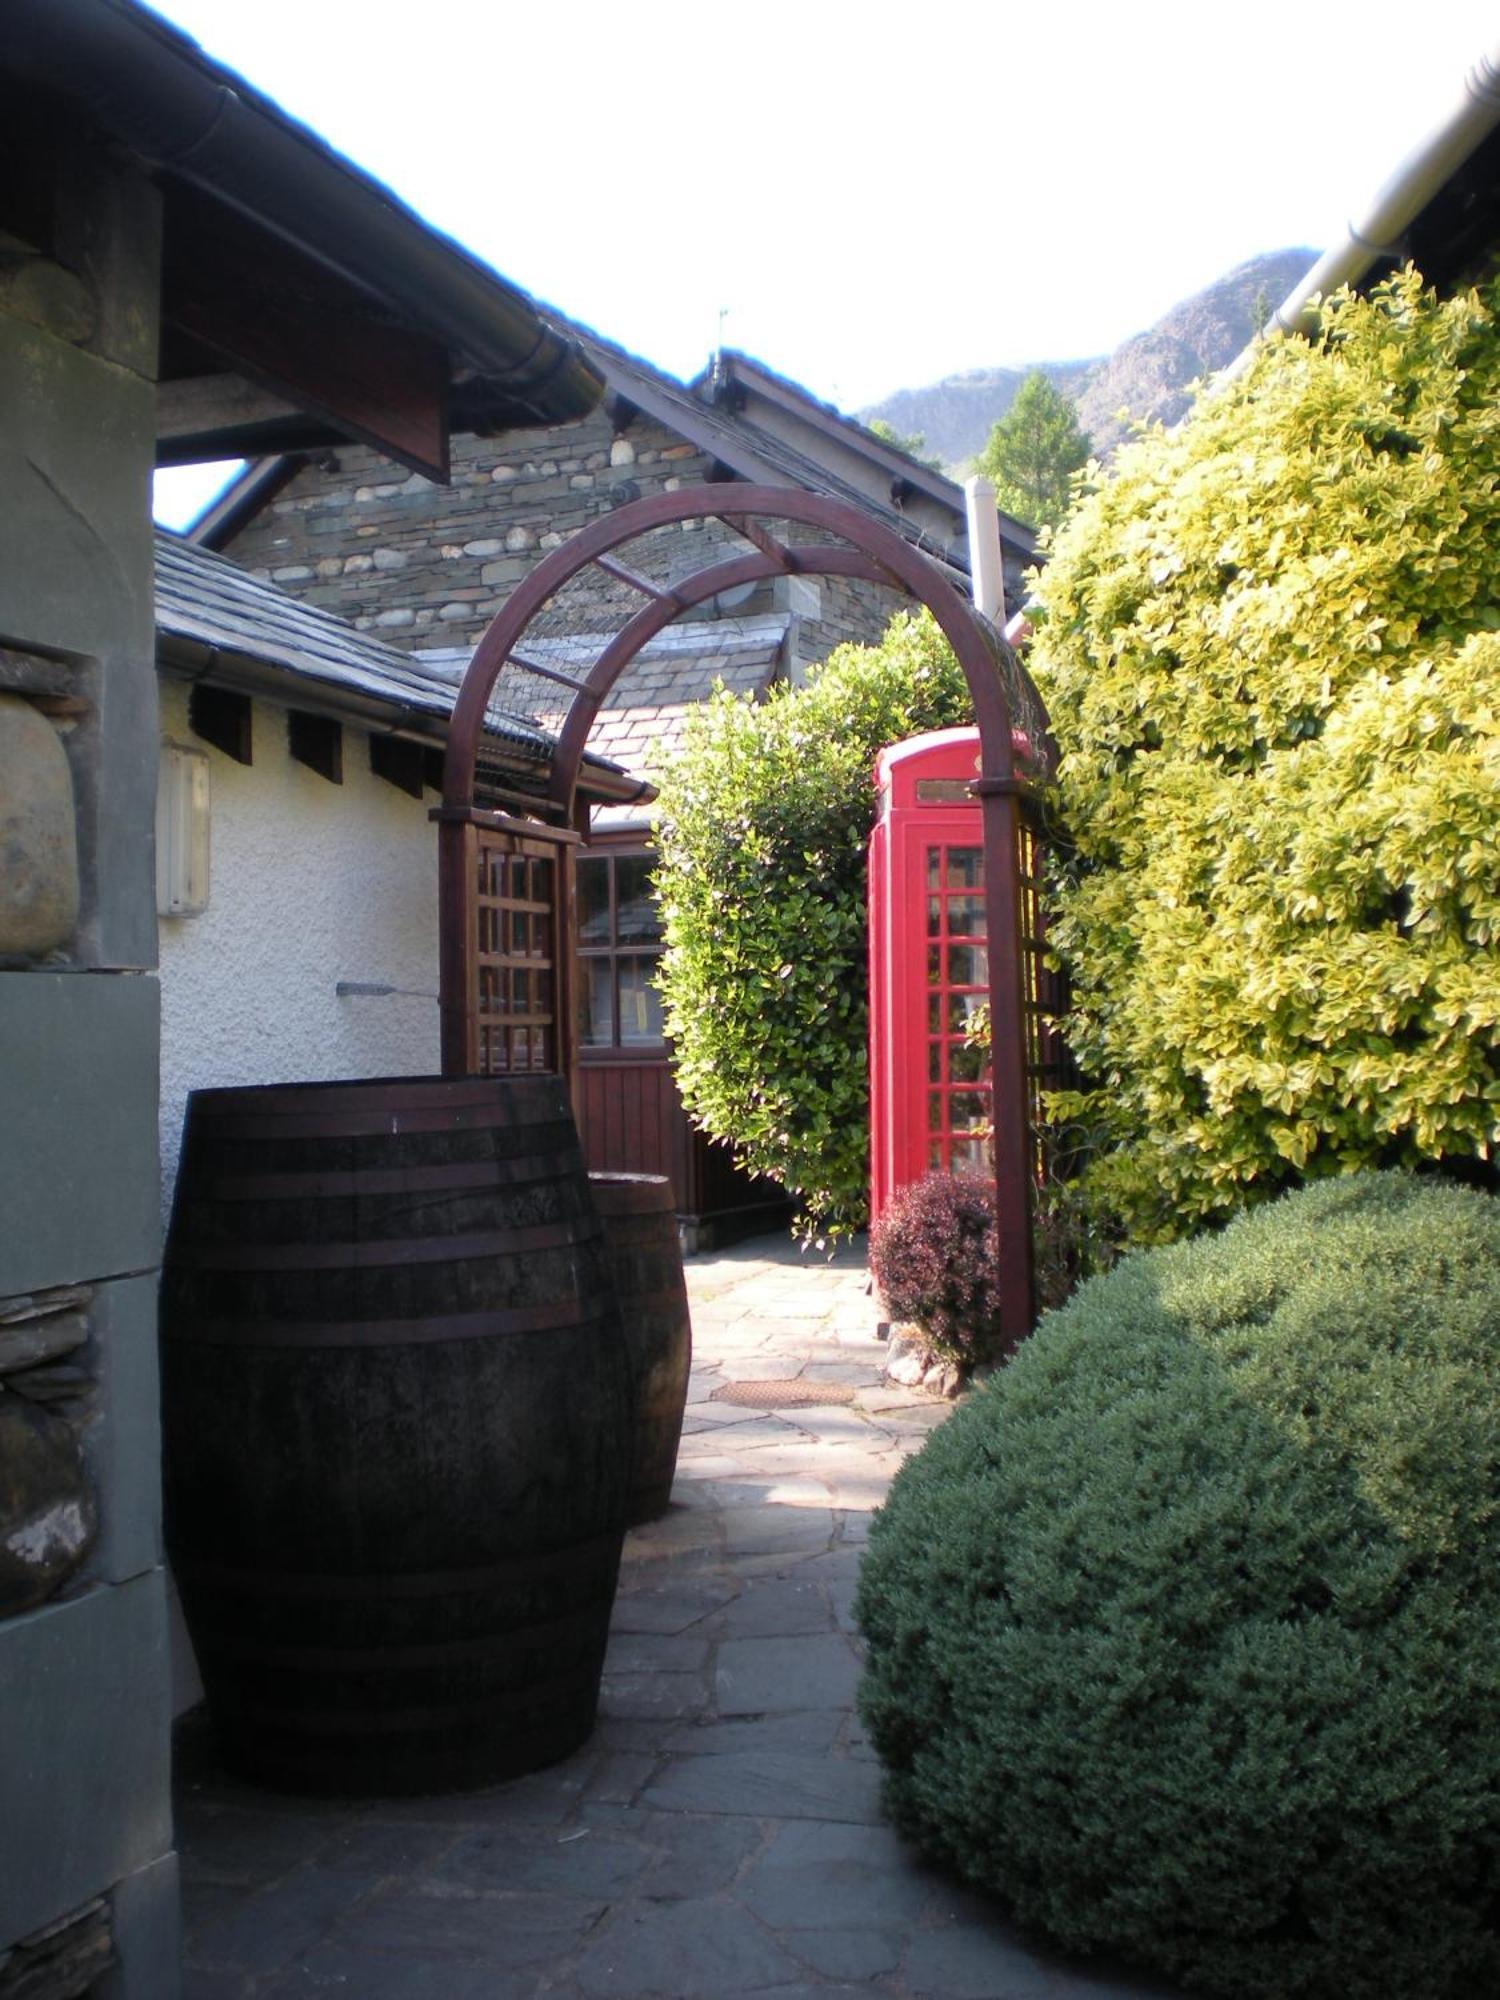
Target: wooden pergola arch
502,872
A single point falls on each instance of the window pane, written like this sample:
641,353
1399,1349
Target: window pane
965,867
962,1007
640,1010
636,918
965,1063
968,965
597,1028
934,867
968,1108
966,916
593,900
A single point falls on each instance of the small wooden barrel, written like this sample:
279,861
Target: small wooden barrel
640,1233
396,1419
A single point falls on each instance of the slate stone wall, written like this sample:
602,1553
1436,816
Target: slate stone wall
429,566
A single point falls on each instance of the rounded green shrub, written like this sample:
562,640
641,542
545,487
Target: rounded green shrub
1184,1632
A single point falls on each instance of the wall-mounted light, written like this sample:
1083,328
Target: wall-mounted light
182,832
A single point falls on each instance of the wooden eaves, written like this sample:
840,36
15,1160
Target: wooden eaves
301,302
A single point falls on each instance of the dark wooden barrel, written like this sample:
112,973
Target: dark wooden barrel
396,1419
645,1256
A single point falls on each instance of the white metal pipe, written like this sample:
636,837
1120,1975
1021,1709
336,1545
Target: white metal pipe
986,565
1397,205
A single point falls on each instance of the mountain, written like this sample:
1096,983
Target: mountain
1147,375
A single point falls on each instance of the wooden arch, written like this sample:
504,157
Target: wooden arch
500,871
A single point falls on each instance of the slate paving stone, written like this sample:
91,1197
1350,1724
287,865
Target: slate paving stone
813,1877
810,1729
367,1975
968,1962
761,1429
205,1903
695,1856
667,1696
770,1676
842,1428
690,1950
852,1373
779,1606
277,1924
545,1798
693,1467
847,1954
619,1777
769,1530
616,1735
722,1416
581,1862
655,1652
508,1930
919,1417
769,1784
376,1849
758,1368
884,1396
672,1605
204,1983
232,1844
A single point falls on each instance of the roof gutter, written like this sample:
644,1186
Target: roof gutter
195,122
1423,173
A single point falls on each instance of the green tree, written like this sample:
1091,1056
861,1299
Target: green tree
1270,644
1033,452
765,817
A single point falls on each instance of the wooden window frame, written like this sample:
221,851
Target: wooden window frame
613,1050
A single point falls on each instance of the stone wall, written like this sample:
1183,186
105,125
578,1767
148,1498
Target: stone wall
87,1873
429,566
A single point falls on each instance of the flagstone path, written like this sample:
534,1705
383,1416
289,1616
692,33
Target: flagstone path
721,1832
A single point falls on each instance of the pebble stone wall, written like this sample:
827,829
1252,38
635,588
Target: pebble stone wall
429,566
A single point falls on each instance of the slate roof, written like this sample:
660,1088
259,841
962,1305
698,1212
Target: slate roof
206,603
758,455
641,721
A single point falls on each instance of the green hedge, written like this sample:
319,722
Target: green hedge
1267,645
1184,1633
765,816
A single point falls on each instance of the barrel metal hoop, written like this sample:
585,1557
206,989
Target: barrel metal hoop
363,1333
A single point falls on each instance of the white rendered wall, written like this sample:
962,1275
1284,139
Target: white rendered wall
309,883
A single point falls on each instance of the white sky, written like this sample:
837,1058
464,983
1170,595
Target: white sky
880,196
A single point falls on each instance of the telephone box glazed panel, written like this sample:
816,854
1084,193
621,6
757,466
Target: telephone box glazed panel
930,1094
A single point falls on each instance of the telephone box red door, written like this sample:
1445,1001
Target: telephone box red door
930,1094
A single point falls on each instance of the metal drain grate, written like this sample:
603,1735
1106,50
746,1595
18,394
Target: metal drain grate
782,1395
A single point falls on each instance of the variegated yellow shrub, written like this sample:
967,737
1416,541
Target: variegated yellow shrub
1269,646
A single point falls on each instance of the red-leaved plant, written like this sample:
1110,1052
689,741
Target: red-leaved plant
936,1257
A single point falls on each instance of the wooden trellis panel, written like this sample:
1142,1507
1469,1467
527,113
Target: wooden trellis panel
513,948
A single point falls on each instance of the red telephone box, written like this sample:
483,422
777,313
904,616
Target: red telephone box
930,1094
